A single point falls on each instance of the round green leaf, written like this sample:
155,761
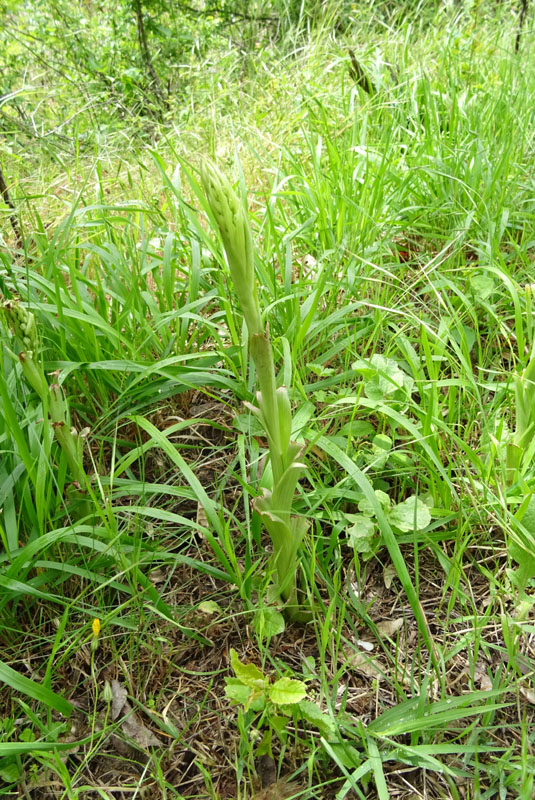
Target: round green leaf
411,515
268,622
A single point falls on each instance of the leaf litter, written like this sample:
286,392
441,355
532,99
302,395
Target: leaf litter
130,722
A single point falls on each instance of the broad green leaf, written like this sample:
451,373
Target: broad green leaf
482,286
366,507
237,691
462,333
383,377
411,515
248,674
9,770
287,691
264,748
357,429
382,442
380,452
279,725
400,459
320,370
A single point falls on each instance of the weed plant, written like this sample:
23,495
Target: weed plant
394,259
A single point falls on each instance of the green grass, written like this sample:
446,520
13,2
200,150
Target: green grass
397,224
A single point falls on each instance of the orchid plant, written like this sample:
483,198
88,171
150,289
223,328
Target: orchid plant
273,407
21,322
513,453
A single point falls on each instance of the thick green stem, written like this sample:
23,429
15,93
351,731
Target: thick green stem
262,355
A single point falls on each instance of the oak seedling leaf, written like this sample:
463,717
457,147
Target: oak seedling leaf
248,674
315,716
287,691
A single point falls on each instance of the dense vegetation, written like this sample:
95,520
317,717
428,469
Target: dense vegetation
384,153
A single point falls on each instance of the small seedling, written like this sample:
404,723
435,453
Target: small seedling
268,706
384,379
364,534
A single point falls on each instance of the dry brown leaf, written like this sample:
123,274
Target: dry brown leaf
131,725
266,770
134,729
318,452
528,694
525,664
369,666
157,576
389,627
119,695
202,519
279,791
389,573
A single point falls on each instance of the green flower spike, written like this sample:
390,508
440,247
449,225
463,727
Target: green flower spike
233,225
